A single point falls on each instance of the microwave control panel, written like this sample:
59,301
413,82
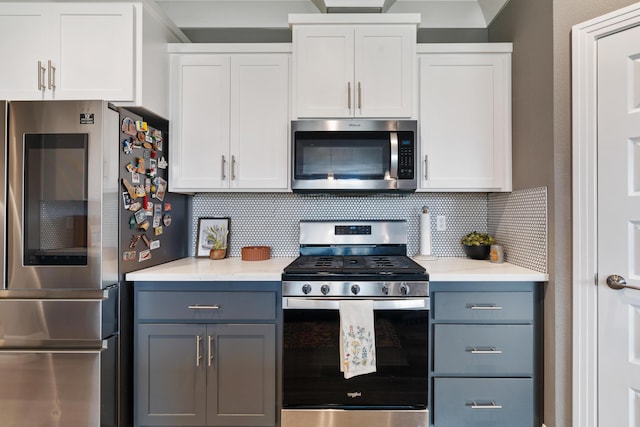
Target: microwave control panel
406,155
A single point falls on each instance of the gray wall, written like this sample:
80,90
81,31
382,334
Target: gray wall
541,33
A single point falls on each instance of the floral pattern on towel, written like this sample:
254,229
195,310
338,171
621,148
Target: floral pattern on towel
359,348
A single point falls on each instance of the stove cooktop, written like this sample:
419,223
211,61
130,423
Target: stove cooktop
345,265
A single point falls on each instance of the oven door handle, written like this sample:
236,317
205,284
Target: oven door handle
334,304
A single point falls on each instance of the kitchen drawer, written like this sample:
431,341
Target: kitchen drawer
483,402
483,306
206,306
487,350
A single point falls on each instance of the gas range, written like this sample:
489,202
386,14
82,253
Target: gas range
354,259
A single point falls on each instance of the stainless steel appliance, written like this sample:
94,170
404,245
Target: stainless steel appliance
341,260
354,155
65,310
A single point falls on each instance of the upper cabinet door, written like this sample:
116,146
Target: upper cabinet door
67,51
384,64
200,122
324,71
259,121
465,121
95,54
354,71
27,40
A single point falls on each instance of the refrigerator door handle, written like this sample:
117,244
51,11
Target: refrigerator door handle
57,347
58,294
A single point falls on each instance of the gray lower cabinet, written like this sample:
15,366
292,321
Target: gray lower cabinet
201,362
485,362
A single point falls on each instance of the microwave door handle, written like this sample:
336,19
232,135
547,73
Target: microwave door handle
393,170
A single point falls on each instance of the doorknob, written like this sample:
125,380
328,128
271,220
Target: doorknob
618,282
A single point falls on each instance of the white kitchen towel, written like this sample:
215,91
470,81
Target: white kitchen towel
357,338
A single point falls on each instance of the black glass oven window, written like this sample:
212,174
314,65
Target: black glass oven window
55,199
342,155
311,371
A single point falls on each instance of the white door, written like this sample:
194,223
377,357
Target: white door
200,122
323,57
95,55
618,251
465,132
27,42
259,112
384,59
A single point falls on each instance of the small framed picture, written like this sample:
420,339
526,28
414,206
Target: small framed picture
213,233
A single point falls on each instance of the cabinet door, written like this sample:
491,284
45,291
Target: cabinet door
465,121
26,34
94,58
384,61
170,375
259,125
241,381
323,58
200,126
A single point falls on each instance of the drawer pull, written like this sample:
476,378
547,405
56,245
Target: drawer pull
204,307
484,307
484,350
490,405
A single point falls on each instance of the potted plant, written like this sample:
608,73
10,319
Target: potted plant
216,238
477,245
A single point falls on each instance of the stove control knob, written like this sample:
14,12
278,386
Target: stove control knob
306,288
355,289
404,289
325,289
385,289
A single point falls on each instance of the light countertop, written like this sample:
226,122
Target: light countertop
235,269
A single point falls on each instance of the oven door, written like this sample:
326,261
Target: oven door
311,371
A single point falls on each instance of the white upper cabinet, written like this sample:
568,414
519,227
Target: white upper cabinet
67,51
229,119
112,51
465,117
346,69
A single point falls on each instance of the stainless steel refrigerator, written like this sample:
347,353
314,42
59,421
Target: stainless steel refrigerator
83,202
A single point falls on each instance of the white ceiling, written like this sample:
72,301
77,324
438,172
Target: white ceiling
274,13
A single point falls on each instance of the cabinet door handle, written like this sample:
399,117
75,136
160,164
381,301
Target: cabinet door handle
426,166
484,307
359,96
198,355
41,71
210,351
224,163
52,76
233,168
349,96
483,350
204,307
489,405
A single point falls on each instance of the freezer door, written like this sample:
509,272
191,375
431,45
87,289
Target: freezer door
59,388
65,322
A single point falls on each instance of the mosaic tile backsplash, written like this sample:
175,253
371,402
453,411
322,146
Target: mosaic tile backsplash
271,219
518,220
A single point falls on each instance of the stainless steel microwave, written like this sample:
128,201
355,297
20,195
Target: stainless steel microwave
354,155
